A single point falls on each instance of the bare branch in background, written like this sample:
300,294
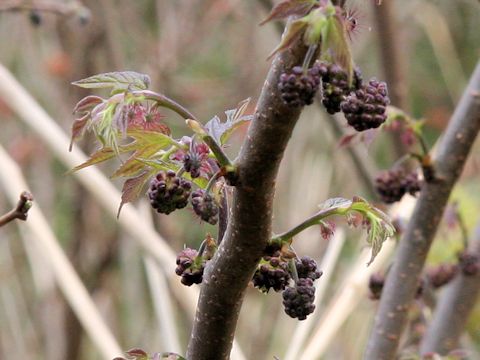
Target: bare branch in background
50,6
402,281
20,211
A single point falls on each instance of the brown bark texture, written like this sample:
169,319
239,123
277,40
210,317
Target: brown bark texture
249,228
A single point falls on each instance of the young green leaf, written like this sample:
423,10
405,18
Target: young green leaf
97,157
137,354
379,225
336,40
116,80
150,138
336,203
133,166
221,131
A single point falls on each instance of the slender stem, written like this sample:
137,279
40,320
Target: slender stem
180,171
20,211
166,102
312,50
220,155
423,144
402,280
312,220
213,180
202,248
222,215
293,270
166,155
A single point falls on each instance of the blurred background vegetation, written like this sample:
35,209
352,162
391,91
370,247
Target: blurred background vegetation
208,55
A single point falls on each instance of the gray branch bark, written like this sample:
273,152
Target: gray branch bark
249,228
401,283
453,309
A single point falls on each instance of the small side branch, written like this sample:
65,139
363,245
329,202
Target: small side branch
20,211
55,7
312,220
401,284
166,102
220,155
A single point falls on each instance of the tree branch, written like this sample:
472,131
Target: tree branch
20,211
249,228
453,308
363,166
54,7
401,284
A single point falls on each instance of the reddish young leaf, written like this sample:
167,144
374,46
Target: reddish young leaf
87,103
137,354
132,189
327,229
289,8
78,128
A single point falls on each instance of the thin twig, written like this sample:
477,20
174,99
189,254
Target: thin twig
223,215
402,279
20,211
311,221
55,7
